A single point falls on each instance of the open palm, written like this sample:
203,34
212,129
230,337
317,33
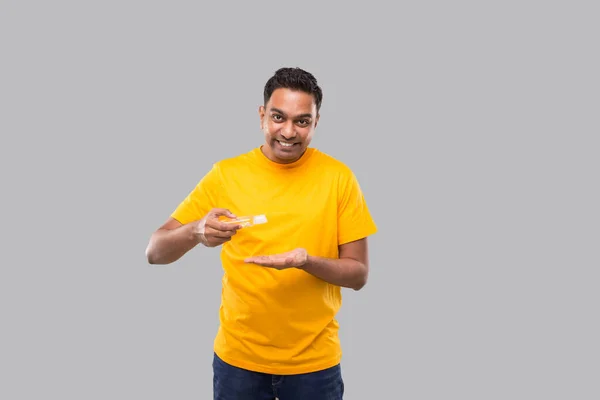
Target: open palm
291,259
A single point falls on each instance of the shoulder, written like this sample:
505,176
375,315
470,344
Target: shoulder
233,162
322,159
339,173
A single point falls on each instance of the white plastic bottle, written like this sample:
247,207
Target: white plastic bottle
247,221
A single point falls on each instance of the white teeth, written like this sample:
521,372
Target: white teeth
284,144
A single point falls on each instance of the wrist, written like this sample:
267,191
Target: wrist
195,233
308,261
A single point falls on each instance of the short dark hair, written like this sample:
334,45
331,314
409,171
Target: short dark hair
295,79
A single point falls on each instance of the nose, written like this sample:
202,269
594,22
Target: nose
288,131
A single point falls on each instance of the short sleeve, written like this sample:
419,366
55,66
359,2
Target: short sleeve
201,199
354,218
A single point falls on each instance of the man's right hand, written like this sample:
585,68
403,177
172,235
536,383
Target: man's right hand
211,231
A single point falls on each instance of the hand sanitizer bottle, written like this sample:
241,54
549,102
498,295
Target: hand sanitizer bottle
247,221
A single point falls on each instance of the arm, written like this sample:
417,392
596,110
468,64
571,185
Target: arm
350,270
172,240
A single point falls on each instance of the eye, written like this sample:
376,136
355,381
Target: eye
277,117
304,122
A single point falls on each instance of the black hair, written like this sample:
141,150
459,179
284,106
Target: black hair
295,79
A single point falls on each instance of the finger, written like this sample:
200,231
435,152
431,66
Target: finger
227,234
267,261
218,212
231,224
257,260
222,225
227,226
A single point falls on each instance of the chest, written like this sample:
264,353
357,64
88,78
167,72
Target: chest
293,194
300,211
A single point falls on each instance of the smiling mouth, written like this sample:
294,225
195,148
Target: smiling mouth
286,144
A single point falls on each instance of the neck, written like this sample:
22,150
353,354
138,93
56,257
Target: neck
267,152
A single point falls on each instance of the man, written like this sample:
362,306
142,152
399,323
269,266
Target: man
281,288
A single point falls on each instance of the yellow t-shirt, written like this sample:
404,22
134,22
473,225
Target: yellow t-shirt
272,321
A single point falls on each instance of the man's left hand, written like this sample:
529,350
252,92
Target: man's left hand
292,259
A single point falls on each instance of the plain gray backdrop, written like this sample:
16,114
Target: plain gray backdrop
472,128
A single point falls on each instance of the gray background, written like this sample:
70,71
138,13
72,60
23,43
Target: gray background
472,128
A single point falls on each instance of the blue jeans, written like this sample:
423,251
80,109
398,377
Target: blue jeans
233,383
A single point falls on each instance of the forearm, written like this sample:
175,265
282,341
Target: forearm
345,272
167,246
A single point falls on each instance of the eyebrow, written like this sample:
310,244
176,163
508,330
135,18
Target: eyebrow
277,110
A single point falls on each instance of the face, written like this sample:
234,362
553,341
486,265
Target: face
288,122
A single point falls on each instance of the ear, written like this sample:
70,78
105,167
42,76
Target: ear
317,120
261,115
